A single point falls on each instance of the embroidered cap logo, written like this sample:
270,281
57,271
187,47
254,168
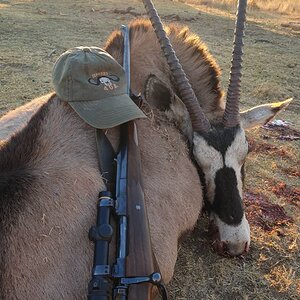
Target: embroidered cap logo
107,82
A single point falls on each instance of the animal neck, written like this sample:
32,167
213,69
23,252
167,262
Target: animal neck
49,179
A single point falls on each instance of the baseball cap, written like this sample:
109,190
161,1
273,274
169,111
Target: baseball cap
95,86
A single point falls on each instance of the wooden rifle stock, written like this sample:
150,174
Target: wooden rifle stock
140,261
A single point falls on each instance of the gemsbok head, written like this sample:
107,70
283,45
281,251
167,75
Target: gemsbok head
220,149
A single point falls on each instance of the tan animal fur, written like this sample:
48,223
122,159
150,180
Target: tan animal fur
47,252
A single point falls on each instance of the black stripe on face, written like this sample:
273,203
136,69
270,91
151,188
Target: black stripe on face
203,184
243,173
227,203
221,138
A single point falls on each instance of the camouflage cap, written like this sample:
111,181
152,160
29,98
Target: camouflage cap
94,84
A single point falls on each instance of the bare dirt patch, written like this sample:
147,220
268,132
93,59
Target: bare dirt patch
261,212
291,194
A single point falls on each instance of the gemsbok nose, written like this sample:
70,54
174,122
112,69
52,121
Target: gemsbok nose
234,240
235,249
231,249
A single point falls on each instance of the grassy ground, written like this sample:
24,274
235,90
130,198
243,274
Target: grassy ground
35,33
278,6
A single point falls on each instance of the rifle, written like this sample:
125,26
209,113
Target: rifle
140,256
129,276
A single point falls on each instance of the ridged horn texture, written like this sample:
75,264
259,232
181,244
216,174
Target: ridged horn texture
199,121
231,115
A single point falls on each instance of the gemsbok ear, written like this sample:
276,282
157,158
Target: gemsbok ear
157,94
260,115
161,97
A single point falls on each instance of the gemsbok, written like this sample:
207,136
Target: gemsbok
49,176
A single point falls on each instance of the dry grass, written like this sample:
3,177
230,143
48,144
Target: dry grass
281,278
286,7
35,33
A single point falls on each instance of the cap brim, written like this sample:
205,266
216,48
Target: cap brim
107,112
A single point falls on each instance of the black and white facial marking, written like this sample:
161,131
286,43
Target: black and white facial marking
221,154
